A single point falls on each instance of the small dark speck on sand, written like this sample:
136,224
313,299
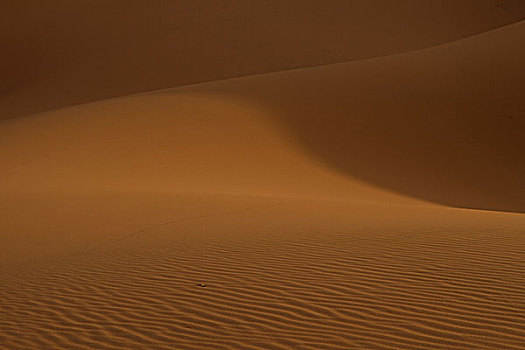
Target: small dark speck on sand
201,285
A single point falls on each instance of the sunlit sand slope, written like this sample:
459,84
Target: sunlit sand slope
274,273
444,125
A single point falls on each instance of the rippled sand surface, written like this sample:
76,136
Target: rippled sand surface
310,274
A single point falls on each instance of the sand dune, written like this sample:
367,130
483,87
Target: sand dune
444,124
59,52
311,132
372,204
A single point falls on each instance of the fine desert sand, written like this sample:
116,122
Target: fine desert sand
262,175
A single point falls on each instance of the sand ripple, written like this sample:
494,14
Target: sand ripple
337,289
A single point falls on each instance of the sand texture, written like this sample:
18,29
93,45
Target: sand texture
262,175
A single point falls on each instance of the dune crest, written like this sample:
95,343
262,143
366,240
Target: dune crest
457,141
61,53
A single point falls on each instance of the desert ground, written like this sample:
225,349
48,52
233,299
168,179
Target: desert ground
262,174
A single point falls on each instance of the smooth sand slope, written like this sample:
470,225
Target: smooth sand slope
61,52
319,208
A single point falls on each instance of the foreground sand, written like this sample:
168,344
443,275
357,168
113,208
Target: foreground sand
279,273
375,204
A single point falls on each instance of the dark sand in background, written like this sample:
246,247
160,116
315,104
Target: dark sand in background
64,52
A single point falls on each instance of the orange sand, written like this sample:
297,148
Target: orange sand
371,204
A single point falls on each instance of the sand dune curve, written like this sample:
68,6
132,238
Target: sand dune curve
60,52
444,124
457,141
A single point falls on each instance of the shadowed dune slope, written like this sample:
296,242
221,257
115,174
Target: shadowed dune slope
444,125
58,53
